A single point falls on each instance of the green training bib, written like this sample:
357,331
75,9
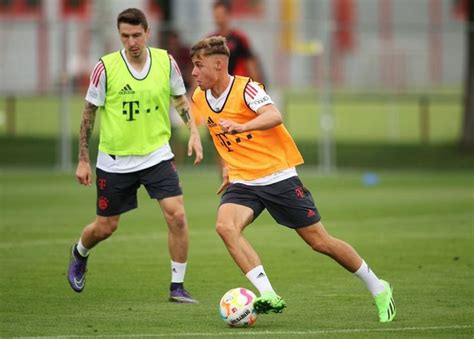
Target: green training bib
135,116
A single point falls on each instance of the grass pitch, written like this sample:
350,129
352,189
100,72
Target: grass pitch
364,117
415,229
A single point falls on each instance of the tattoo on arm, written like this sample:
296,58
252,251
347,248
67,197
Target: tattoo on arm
182,106
184,114
87,126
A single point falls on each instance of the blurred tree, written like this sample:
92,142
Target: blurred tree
467,138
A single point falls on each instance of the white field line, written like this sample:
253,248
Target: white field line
233,332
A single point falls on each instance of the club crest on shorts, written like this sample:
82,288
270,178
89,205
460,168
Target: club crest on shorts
102,183
103,203
299,191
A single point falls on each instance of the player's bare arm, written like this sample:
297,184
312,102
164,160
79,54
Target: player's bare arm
83,171
268,116
182,106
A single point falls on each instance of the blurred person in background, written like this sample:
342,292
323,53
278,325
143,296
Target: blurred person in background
180,52
243,60
260,159
173,43
132,89
78,69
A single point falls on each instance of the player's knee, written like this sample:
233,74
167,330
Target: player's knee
225,229
105,227
176,220
320,245
320,240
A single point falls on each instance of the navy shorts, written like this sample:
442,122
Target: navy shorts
288,201
117,192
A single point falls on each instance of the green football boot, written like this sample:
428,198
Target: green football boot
269,302
385,303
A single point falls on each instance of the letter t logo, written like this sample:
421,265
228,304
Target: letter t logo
131,109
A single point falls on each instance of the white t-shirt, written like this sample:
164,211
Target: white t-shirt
96,96
255,97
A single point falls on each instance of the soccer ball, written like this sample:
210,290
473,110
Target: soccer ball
236,307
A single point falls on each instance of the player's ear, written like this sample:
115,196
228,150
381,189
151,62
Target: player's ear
218,64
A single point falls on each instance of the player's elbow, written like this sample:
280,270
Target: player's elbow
278,119
179,100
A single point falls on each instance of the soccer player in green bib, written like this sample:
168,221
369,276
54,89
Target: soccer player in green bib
132,89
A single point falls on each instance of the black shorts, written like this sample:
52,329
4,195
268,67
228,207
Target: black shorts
288,201
117,192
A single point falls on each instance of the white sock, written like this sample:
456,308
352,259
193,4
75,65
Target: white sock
178,270
259,279
373,284
83,251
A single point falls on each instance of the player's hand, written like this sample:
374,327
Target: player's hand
225,180
84,173
194,145
231,127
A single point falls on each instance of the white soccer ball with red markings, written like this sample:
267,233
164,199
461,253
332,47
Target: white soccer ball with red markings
236,307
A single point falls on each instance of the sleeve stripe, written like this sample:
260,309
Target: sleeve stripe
248,90
96,81
250,94
252,89
97,75
96,68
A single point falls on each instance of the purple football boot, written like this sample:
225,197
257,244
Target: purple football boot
77,270
180,295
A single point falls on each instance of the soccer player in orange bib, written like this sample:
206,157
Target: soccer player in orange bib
260,158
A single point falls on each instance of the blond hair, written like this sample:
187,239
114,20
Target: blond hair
210,46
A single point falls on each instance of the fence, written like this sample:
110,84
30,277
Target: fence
397,81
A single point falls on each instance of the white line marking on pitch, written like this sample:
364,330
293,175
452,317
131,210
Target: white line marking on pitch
251,333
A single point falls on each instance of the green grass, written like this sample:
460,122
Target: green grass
44,152
373,130
377,122
415,229
364,117
40,116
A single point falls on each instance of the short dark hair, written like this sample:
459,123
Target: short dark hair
210,46
223,3
132,16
